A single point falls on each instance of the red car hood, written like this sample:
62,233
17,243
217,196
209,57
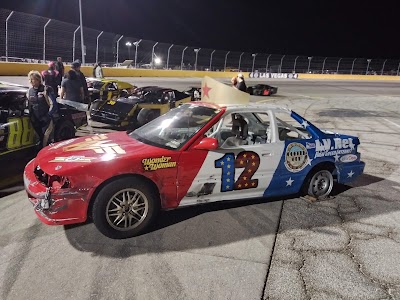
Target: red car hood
62,157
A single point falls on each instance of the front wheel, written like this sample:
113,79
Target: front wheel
319,184
65,130
125,208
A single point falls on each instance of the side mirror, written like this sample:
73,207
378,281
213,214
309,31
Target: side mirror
207,144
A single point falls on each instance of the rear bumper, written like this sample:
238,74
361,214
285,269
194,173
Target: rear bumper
348,172
58,207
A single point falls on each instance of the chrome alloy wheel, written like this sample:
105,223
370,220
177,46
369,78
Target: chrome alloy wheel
127,209
321,184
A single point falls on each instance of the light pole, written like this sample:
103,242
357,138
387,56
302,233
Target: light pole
266,67
136,46
212,53
337,69
195,62
398,69
97,47
226,57
73,44
81,25
280,67
183,53
383,67
366,72
240,60
118,49
323,65
295,63
8,18
309,63
152,55
254,59
129,45
44,40
169,49
352,66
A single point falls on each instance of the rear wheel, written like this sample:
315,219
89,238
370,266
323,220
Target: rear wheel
319,183
125,208
65,130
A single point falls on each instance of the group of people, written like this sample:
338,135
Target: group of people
41,96
239,83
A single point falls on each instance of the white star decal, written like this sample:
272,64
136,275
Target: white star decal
350,175
309,161
352,146
336,156
304,124
289,182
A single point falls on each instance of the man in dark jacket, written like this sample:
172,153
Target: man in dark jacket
76,66
50,77
60,69
42,106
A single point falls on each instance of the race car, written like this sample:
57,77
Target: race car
262,90
107,89
196,153
17,136
146,104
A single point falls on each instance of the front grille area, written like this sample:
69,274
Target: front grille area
41,176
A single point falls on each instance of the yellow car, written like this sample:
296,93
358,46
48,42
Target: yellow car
107,89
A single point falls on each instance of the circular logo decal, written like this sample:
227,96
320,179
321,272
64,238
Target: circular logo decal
296,157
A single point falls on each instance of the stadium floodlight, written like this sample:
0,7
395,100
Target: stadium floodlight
129,45
157,60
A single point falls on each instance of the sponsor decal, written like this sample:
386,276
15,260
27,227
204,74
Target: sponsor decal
98,144
62,144
348,158
72,159
340,146
153,164
296,157
273,75
111,102
310,145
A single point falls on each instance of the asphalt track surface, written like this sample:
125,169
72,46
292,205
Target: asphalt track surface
346,247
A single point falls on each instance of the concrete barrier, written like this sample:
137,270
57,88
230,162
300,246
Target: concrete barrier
348,77
22,69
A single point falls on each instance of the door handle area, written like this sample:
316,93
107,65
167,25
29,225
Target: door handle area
267,154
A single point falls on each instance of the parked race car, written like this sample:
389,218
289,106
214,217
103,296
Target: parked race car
146,104
262,90
194,154
17,136
107,89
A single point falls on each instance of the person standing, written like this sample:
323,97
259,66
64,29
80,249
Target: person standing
71,87
241,84
50,77
42,105
76,66
60,69
98,71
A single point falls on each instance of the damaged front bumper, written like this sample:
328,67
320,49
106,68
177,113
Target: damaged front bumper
55,206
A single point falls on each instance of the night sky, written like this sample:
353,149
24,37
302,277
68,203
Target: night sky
316,28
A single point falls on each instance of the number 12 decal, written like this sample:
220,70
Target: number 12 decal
248,160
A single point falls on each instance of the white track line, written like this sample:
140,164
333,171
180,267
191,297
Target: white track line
395,124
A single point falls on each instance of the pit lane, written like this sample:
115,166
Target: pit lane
344,247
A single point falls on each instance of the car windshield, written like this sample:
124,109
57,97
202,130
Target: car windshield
175,128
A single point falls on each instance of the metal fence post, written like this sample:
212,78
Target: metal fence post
280,67
211,59
73,43
8,18
323,65
309,63
168,54
118,50
226,57
337,69
152,55
97,47
266,67
44,40
254,59
352,66
81,24
240,60
368,60
398,69
295,63
136,46
183,53
383,67
195,62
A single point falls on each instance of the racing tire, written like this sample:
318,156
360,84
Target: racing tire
319,183
125,207
146,115
64,130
